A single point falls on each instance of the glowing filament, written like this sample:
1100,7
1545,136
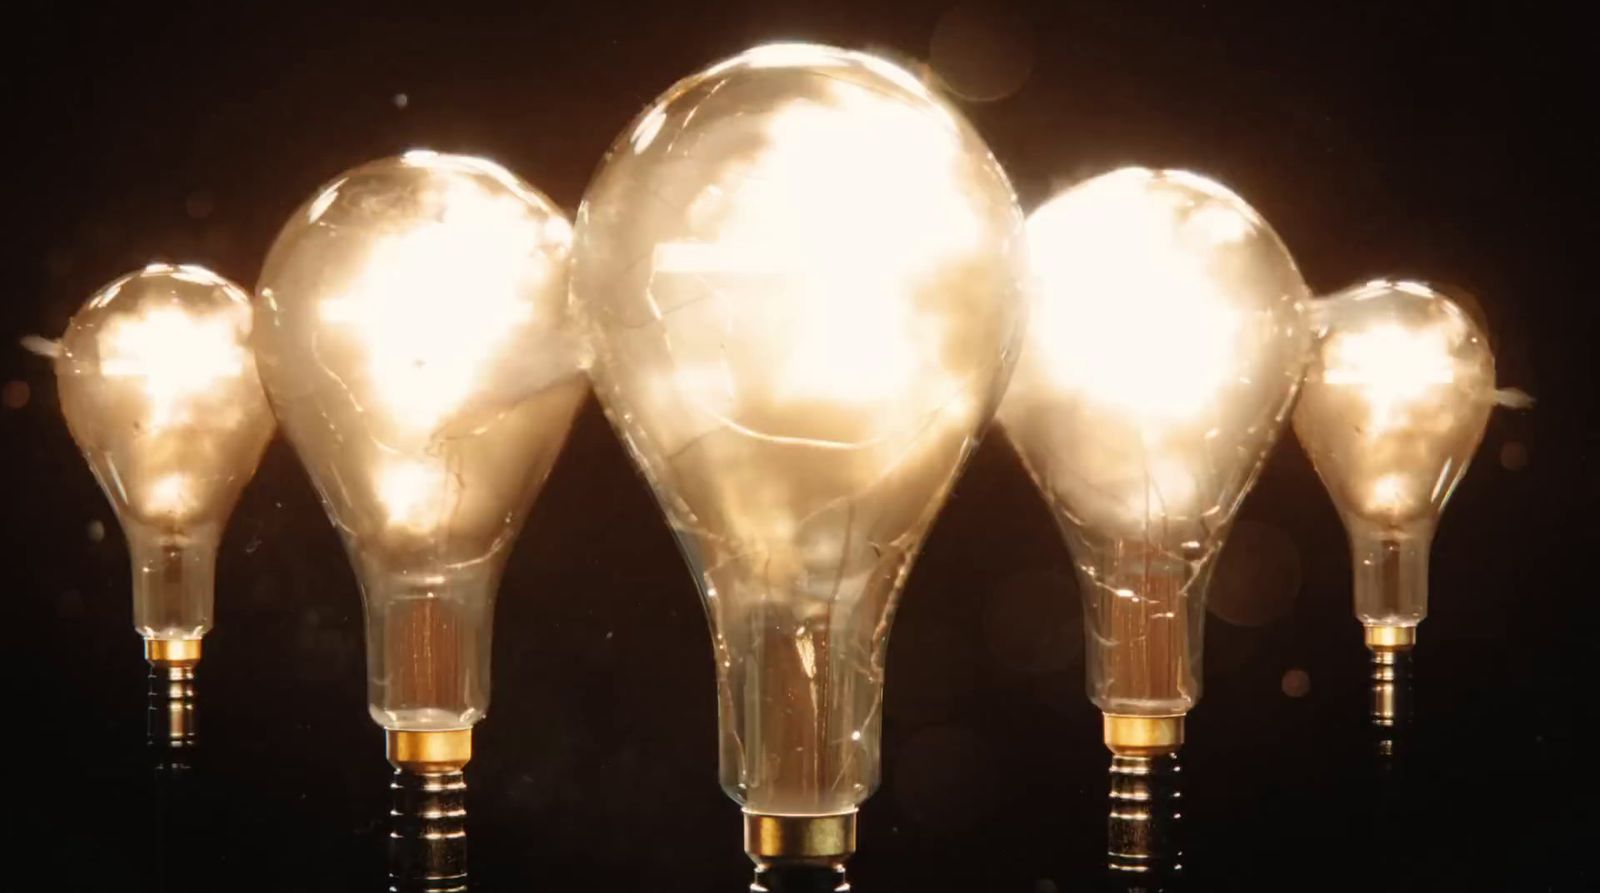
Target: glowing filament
1394,366
432,302
838,320
1133,319
179,356
417,496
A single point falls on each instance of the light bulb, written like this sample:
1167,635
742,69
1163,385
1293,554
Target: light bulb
160,391
801,274
412,334
1394,404
1162,356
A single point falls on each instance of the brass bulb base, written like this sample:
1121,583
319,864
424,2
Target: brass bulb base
813,839
429,753
1143,736
185,652
1390,638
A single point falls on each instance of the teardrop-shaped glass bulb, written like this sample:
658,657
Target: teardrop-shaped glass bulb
160,391
801,274
1163,353
412,333
1394,404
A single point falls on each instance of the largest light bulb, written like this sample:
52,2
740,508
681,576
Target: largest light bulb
1164,352
411,330
801,274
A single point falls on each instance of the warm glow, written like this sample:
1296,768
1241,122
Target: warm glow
1132,319
178,355
1389,495
837,320
801,276
1395,403
433,302
1164,350
169,496
1394,366
411,328
160,391
417,496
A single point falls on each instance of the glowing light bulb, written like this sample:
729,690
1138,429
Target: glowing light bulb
801,274
160,391
1162,357
413,336
1394,404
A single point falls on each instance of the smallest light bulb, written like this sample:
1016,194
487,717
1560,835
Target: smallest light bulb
1394,404
159,388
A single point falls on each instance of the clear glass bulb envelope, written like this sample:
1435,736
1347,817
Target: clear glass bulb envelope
800,271
1395,403
412,333
159,388
1163,353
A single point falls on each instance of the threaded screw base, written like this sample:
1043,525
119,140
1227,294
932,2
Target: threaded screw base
171,712
1390,707
428,832
1143,839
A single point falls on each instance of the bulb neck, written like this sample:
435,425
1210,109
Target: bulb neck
428,645
799,690
1390,574
1144,823
174,583
428,832
1144,624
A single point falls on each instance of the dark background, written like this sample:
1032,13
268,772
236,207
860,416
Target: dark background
1394,138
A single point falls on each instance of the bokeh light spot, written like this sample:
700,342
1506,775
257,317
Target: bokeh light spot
982,51
1257,576
1296,683
16,394
1514,456
199,205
